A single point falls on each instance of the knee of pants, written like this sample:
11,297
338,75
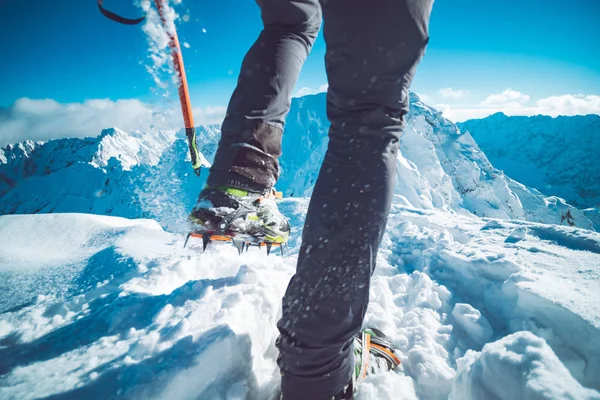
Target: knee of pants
371,68
370,89
301,17
313,26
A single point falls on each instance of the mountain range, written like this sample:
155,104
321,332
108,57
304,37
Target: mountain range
146,174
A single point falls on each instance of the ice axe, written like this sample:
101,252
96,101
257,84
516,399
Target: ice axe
198,159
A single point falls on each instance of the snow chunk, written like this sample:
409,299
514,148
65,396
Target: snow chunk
517,235
472,323
58,238
519,366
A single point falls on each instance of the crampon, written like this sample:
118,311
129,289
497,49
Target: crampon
240,243
373,352
243,218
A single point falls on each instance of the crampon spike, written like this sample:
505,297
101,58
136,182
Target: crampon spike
269,245
205,240
239,245
186,240
281,249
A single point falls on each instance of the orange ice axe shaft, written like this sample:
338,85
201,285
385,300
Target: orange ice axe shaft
198,159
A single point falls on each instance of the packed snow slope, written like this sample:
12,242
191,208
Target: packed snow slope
101,307
558,156
147,174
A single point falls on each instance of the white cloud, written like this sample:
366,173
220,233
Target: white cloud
515,103
508,97
425,98
453,93
207,115
570,105
45,119
462,113
445,109
48,119
304,91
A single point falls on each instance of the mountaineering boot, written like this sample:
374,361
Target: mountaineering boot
373,352
228,213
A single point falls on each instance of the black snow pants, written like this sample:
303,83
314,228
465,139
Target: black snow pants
373,48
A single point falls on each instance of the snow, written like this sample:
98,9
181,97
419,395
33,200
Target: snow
486,286
157,35
534,284
557,156
519,366
472,323
122,310
517,234
593,214
138,304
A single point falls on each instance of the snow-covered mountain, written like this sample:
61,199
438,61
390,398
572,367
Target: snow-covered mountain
117,173
488,288
558,156
146,174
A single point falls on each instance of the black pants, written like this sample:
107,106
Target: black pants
373,48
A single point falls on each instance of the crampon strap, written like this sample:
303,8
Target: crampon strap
117,18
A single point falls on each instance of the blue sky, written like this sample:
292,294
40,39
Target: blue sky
67,51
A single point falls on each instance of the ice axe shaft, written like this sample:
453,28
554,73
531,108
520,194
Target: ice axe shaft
184,95
198,159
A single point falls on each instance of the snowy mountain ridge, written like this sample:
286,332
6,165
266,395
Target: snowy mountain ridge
555,155
26,159
133,174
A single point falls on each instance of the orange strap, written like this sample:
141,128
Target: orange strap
386,351
367,351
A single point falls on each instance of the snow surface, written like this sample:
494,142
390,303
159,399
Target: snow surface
558,156
105,307
519,366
